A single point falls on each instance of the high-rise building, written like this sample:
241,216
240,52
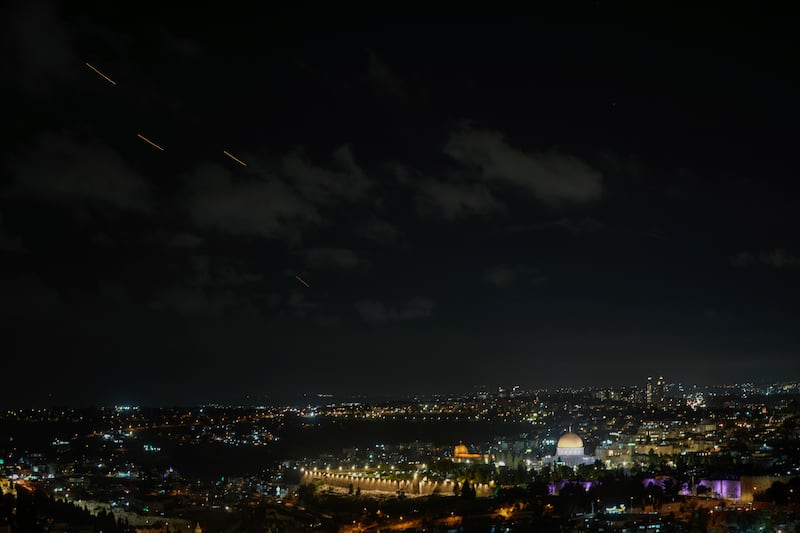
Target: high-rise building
654,392
658,393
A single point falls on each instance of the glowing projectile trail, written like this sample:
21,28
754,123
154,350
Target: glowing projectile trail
301,280
148,141
234,158
109,80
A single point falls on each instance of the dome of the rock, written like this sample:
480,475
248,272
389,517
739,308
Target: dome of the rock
570,440
569,445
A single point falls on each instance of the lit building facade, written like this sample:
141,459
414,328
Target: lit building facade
654,392
569,451
461,454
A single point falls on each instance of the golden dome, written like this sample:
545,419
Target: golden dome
460,450
570,440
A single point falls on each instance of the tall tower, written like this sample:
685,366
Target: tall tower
658,394
648,391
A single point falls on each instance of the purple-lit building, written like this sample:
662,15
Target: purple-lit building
555,487
743,489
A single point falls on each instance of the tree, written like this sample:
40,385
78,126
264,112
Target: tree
778,493
467,491
307,492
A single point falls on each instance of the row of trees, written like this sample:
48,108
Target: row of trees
35,511
781,493
477,472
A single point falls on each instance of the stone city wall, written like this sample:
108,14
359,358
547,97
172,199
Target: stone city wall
409,487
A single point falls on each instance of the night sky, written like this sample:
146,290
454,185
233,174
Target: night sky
587,197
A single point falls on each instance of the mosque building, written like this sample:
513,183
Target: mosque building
569,451
461,454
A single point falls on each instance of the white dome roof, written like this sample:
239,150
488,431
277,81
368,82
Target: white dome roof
570,440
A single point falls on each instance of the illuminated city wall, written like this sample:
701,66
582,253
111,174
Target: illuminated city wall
410,487
744,489
723,488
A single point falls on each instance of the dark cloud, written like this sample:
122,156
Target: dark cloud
300,305
261,204
345,183
551,177
27,295
573,225
500,276
102,239
41,44
112,294
331,258
777,258
216,297
505,276
328,321
452,200
297,303
177,240
7,242
378,312
382,76
378,231
404,174
219,272
248,205
194,301
64,169
185,49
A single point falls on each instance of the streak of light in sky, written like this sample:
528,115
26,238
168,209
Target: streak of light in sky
234,158
148,141
109,80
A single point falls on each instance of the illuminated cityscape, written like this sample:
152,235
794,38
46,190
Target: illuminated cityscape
281,267
582,458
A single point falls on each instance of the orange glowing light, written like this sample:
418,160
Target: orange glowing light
234,158
109,80
148,141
